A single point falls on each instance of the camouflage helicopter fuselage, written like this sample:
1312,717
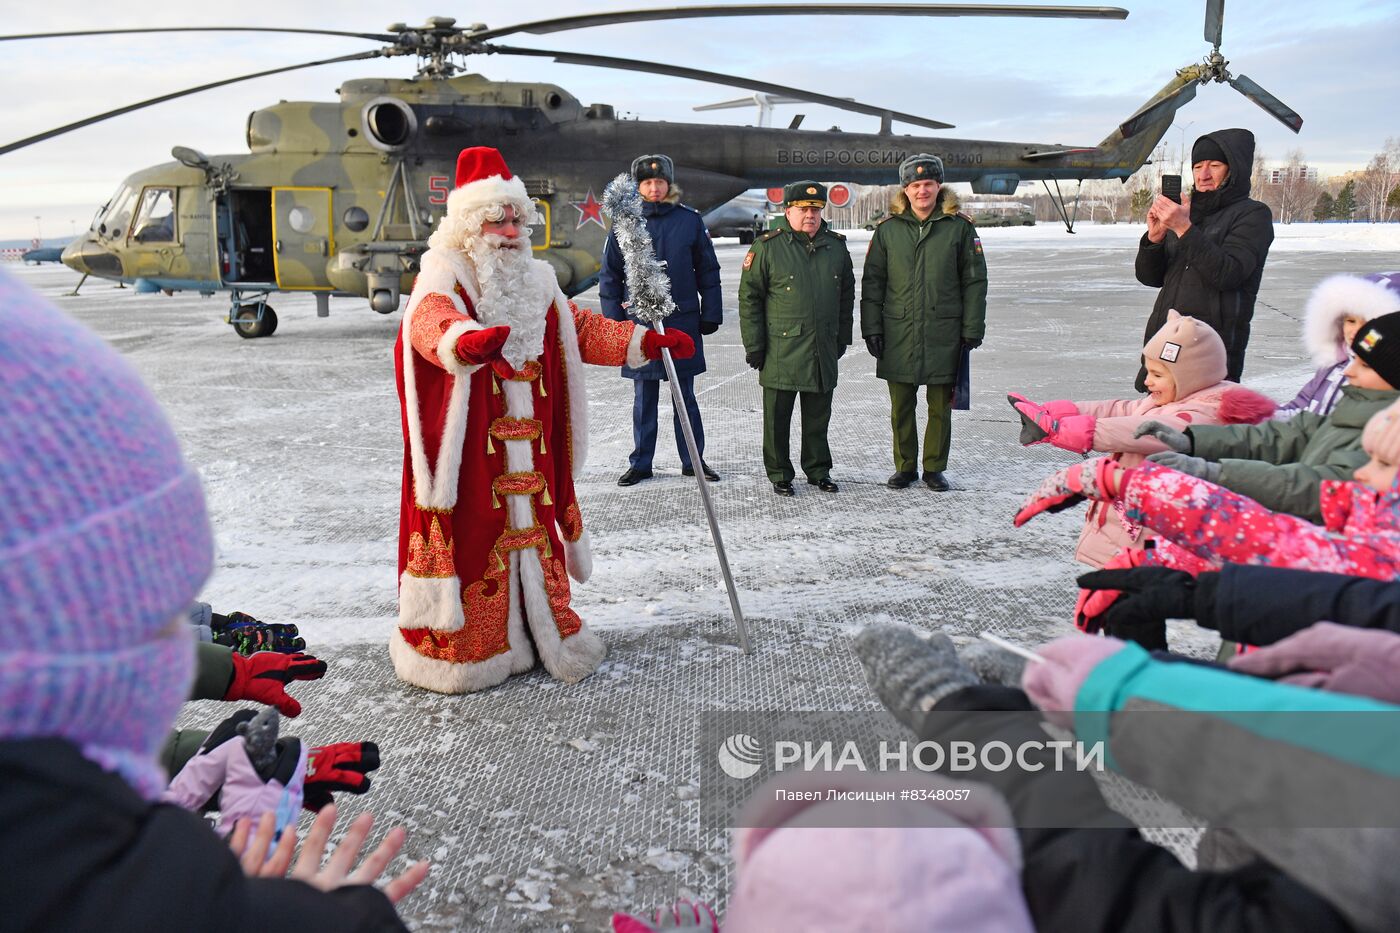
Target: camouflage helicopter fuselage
338,198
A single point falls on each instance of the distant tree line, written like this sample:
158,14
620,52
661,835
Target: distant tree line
1291,191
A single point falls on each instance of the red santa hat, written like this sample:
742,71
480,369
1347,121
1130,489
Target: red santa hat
484,180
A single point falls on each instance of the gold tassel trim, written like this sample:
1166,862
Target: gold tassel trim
490,447
545,500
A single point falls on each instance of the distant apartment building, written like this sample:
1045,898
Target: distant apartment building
1287,174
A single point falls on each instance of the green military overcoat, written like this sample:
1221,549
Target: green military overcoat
796,305
924,289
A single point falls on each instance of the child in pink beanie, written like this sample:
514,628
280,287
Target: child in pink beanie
1186,365
950,866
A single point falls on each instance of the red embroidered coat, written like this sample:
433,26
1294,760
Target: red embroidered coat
490,528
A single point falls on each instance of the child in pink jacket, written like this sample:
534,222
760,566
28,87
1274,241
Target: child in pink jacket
1186,365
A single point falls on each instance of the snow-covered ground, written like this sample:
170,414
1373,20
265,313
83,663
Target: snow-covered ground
545,806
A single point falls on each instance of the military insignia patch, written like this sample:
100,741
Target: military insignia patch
1170,351
977,245
748,259
811,190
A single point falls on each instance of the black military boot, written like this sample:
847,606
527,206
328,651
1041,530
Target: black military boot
901,480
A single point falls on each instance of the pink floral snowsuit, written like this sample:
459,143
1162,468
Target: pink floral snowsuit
1208,525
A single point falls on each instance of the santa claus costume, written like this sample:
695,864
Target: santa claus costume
490,529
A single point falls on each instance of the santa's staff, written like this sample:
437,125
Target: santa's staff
650,301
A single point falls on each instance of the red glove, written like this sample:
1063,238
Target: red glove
1094,603
677,341
479,346
263,678
341,766
503,369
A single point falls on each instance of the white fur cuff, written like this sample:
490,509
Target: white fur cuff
635,357
430,602
578,557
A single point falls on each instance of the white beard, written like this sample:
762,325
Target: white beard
513,293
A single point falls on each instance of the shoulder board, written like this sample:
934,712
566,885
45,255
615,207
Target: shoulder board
688,208
885,219
764,238
839,236
965,217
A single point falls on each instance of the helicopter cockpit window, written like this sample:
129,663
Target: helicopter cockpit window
117,215
155,222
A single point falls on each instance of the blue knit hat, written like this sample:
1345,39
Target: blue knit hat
104,540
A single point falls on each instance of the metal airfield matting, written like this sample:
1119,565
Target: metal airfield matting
544,806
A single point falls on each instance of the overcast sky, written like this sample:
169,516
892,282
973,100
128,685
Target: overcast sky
1036,80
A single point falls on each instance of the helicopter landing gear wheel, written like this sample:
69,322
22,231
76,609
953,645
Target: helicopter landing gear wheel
247,325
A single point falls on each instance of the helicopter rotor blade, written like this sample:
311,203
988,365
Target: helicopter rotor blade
59,131
583,21
676,71
1157,111
372,36
1215,21
1276,108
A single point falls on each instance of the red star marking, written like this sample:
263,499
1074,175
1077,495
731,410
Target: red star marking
589,210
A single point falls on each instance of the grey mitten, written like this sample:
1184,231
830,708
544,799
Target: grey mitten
994,665
908,673
1193,466
1179,441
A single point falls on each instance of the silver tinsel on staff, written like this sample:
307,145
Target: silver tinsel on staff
648,287
649,299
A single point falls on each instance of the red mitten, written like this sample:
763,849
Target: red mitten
263,678
479,346
1094,603
341,766
677,341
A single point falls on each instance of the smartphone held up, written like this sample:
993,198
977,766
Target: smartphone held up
1171,187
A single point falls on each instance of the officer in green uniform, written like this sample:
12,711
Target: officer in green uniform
923,298
796,297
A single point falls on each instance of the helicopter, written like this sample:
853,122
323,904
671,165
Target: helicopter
338,198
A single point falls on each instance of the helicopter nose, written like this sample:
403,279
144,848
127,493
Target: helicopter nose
89,258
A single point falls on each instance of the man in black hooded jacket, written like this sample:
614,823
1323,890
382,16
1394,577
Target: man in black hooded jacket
1207,254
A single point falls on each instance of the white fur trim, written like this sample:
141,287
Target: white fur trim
570,659
520,455
430,602
444,676
447,349
436,487
520,649
490,191
635,357
1333,299
578,392
578,556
